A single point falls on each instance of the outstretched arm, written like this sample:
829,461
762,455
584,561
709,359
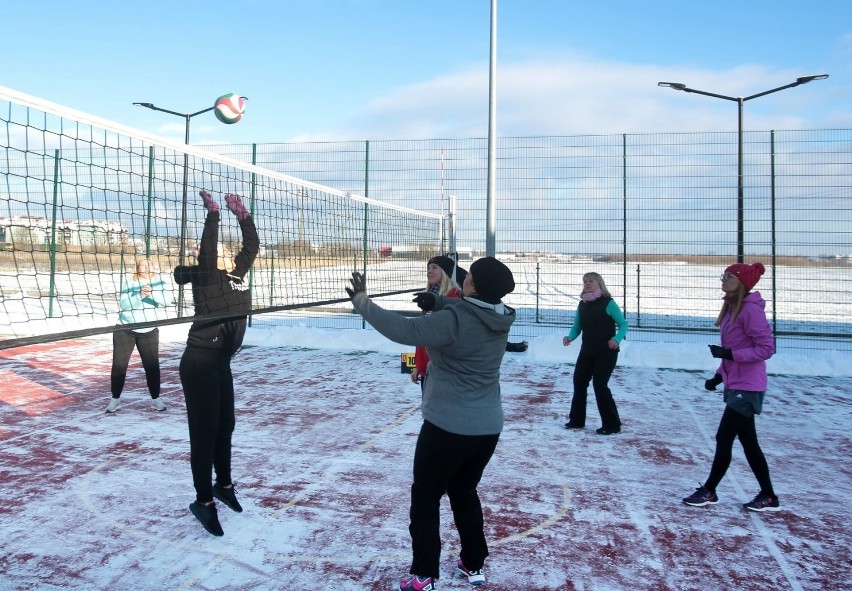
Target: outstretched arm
251,242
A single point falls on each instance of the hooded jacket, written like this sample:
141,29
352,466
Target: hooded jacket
217,292
749,337
466,339
135,308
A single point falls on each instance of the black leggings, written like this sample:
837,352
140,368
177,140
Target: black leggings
453,464
148,345
208,389
732,426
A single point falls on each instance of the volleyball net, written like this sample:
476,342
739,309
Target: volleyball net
82,199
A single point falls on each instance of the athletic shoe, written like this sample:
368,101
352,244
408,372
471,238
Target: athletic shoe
415,583
763,502
608,431
113,405
517,347
157,404
227,496
570,425
208,517
701,497
474,577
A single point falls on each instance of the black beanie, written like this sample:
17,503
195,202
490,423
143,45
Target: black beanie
492,279
446,264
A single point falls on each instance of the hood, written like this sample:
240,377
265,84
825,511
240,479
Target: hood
755,298
497,317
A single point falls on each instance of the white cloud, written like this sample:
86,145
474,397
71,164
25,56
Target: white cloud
567,94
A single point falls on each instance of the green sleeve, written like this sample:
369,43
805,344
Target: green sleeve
575,328
615,313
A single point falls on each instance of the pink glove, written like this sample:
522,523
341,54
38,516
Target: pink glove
236,207
209,204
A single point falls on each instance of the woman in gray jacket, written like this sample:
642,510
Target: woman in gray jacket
462,409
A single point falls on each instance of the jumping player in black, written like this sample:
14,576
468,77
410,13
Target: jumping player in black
219,288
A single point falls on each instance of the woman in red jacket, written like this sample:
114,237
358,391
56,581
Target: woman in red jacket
443,277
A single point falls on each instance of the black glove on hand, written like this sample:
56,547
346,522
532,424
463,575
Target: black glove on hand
721,352
712,383
359,284
425,301
209,204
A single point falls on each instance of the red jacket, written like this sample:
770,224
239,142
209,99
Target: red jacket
421,358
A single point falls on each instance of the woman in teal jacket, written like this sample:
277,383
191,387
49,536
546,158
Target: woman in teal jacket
597,317
144,297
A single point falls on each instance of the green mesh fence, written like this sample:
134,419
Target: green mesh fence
655,214
81,199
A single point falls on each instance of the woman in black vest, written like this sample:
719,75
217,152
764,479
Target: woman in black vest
597,317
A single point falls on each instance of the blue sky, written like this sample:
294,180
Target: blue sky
400,69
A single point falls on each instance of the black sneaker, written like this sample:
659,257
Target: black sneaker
227,496
570,425
517,347
763,502
701,497
608,431
208,517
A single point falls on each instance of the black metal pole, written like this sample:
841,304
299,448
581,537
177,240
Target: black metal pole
740,199
183,213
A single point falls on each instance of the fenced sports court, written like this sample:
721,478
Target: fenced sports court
655,214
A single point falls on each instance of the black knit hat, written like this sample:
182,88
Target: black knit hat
492,279
446,263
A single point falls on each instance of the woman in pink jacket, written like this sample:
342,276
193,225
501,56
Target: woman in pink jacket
746,345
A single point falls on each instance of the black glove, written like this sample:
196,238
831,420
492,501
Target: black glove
359,284
713,382
721,352
425,301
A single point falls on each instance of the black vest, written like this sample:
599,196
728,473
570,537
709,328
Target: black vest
598,327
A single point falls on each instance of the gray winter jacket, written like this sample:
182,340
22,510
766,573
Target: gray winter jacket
466,339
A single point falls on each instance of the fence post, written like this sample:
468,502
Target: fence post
624,219
772,239
52,292
638,292
150,201
537,284
366,194
251,210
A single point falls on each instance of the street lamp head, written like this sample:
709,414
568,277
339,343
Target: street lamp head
674,85
147,105
806,79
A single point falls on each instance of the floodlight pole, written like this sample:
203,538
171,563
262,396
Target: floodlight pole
740,100
491,198
182,246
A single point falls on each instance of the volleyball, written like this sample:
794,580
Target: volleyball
229,108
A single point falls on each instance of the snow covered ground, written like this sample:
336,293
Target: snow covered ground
326,426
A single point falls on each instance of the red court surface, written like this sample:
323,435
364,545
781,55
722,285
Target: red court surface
322,461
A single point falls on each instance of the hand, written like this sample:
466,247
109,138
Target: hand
145,292
613,344
425,301
235,206
566,341
721,352
359,284
712,383
209,204
415,375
